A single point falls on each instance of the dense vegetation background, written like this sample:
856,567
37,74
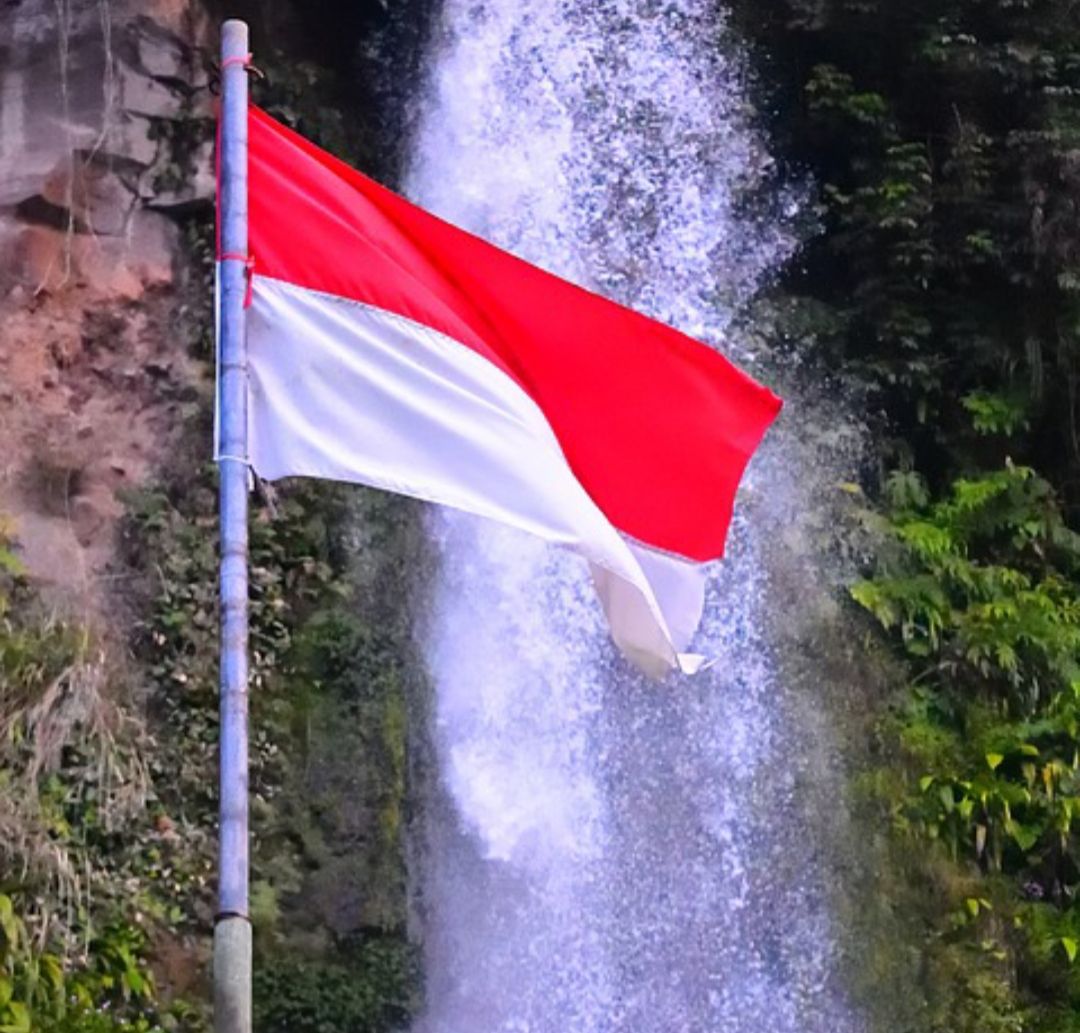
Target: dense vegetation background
939,289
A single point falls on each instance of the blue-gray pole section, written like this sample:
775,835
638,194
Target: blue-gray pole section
232,930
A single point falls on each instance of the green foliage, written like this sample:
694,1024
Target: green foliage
940,284
289,571
26,979
326,738
996,413
942,137
326,752
369,987
978,590
70,774
980,584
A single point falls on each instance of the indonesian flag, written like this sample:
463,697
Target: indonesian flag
389,348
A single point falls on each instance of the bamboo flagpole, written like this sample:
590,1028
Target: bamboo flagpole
232,928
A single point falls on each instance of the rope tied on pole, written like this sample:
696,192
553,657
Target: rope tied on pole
244,61
249,271
237,59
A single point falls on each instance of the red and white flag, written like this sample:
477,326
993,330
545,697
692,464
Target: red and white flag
389,348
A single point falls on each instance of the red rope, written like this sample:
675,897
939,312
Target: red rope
248,260
245,61
249,271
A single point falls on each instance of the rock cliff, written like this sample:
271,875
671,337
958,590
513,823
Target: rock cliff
104,139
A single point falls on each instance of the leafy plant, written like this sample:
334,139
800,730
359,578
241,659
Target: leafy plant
108,989
370,989
978,591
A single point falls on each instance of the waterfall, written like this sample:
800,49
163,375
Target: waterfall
602,853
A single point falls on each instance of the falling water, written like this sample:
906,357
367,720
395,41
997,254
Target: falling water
601,853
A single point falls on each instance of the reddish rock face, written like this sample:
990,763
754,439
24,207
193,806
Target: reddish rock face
92,104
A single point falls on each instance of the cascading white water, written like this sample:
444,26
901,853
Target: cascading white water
605,854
